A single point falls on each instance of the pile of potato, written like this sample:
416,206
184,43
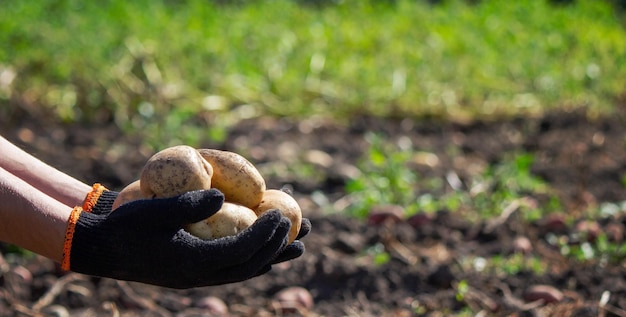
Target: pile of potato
182,168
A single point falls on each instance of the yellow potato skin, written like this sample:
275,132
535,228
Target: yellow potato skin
179,169
228,221
174,171
288,206
235,177
129,193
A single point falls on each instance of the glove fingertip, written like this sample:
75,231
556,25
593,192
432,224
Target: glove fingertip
290,252
305,228
210,197
198,205
270,228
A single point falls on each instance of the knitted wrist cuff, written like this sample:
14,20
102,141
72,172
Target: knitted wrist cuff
69,236
92,197
99,200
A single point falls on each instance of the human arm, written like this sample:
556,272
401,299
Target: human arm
30,218
47,179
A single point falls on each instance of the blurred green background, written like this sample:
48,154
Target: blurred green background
198,66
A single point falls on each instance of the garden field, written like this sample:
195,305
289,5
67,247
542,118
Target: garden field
455,158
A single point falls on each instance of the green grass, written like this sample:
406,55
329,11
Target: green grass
144,62
389,176
600,250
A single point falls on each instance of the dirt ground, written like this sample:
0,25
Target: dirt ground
427,275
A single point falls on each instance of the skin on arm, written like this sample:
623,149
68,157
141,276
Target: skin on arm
31,219
42,176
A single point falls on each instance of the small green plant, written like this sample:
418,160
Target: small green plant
516,263
600,250
385,179
461,289
388,178
376,254
503,265
7,248
609,251
508,181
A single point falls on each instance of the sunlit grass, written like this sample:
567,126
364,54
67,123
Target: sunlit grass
143,61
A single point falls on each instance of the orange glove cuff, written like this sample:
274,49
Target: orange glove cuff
92,197
69,236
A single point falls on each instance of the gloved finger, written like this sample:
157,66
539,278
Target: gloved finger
263,257
238,249
270,250
202,203
184,209
305,228
292,251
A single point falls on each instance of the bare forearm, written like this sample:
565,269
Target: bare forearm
31,219
42,176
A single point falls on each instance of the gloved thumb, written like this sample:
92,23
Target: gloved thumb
187,208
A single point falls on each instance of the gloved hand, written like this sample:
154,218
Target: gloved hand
144,241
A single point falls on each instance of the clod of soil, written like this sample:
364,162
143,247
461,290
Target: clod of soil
546,293
293,300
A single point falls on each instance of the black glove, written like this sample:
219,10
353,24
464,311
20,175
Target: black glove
144,241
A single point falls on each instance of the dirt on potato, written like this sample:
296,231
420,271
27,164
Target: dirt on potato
427,273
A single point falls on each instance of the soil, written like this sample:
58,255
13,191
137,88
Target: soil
428,272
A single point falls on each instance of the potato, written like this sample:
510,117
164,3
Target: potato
179,169
127,194
235,177
288,206
174,171
229,220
